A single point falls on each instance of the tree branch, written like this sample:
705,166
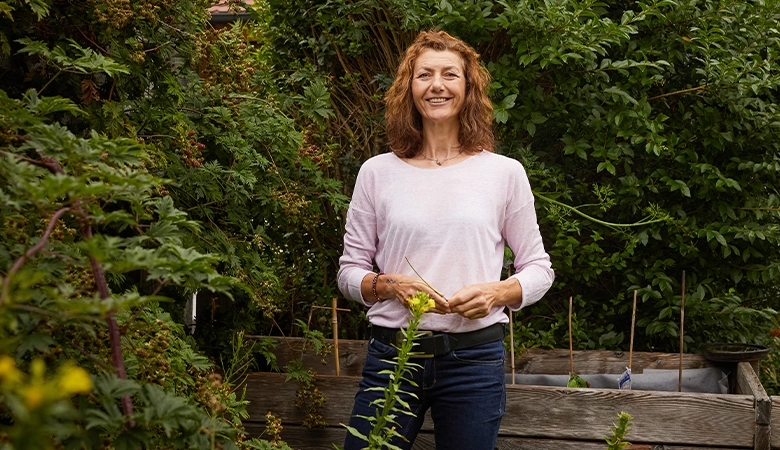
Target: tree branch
30,252
684,91
598,221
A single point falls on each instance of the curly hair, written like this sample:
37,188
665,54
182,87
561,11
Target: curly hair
404,123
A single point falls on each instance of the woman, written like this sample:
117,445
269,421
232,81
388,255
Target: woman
444,205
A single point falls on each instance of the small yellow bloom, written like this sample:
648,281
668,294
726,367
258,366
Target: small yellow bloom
421,302
75,380
37,370
7,366
33,396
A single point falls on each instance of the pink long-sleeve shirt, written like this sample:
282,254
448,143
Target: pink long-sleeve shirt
451,223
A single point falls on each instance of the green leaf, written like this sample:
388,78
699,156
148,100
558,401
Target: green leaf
36,343
621,94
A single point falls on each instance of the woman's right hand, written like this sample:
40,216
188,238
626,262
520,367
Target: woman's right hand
402,288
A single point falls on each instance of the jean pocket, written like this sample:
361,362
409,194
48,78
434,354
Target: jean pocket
380,350
488,354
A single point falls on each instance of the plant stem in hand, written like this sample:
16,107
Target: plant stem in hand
423,280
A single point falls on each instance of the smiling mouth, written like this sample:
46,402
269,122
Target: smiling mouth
437,100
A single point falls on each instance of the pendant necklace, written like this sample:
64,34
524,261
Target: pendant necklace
438,161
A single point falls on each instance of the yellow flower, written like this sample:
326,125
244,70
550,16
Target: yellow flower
37,371
7,366
9,374
421,302
75,380
33,396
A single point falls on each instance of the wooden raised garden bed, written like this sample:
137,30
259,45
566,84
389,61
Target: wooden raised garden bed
545,417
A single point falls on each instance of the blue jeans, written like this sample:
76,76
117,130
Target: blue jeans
464,390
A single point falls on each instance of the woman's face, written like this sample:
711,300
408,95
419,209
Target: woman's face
439,86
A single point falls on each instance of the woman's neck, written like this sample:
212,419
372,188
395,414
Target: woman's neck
440,142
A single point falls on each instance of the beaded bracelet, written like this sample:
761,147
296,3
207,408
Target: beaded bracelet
373,286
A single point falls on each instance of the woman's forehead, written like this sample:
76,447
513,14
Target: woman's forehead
431,59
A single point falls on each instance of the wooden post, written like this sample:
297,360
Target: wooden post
631,343
682,322
571,344
512,344
335,321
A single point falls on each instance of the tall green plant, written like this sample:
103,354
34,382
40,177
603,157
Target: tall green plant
617,441
384,422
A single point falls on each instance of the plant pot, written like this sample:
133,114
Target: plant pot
734,352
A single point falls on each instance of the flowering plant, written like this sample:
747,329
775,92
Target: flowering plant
39,403
384,421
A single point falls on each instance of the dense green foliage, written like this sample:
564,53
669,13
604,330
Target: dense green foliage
649,132
147,156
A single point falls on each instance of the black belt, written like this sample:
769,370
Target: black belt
437,343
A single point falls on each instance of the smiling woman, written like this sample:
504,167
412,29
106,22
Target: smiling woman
438,88
441,200
404,113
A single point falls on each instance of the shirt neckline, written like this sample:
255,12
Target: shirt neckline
439,169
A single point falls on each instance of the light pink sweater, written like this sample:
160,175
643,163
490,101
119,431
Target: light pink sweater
451,222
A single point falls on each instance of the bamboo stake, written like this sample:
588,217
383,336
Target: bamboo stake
682,323
512,343
335,322
631,343
571,344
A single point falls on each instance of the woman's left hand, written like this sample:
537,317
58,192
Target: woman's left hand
475,301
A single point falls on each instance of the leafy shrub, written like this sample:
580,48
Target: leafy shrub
648,130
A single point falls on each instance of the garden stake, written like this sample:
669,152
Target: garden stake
575,381
571,348
512,344
631,343
625,379
682,322
335,322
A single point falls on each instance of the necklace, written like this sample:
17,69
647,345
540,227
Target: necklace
438,161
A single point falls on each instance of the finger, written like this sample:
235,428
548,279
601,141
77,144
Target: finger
437,310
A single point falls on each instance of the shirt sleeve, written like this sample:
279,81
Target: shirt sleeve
533,269
360,241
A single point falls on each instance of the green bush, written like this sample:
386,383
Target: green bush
147,156
649,131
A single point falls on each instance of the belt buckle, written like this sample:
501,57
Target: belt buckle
400,339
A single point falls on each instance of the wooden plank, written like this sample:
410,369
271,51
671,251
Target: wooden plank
748,383
540,361
545,412
352,356
763,438
659,417
775,423
299,437
269,392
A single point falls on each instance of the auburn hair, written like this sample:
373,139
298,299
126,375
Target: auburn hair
404,123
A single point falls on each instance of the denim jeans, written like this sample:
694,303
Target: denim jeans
464,390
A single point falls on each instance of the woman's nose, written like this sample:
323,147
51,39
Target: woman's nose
436,84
